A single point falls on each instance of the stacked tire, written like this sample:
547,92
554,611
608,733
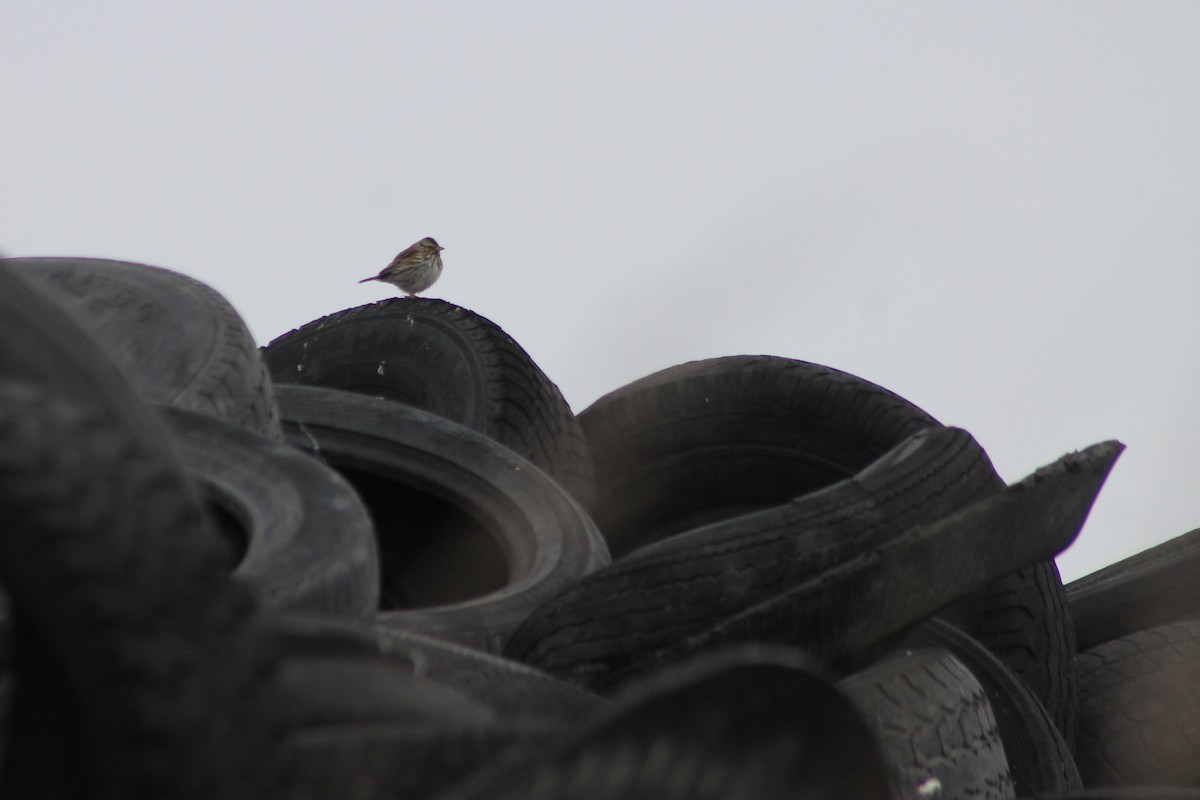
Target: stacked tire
381,557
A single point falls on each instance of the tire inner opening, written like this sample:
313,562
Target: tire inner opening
431,553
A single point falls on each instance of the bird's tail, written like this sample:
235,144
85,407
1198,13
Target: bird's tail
372,278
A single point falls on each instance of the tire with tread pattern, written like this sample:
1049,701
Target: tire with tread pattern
1125,793
935,725
839,573
133,665
712,439
1038,756
300,536
471,536
1151,588
750,723
605,626
368,728
129,666
177,340
1138,707
517,693
447,360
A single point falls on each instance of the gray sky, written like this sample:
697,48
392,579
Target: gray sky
990,209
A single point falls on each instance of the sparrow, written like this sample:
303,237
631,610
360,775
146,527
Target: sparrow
414,269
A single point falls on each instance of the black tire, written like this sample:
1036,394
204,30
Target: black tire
8,671
1024,619
1138,707
713,439
602,628
179,342
452,362
752,724
1038,757
118,589
849,614
838,572
935,725
471,536
1152,588
131,678
517,694
301,538
709,440
1125,793
368,728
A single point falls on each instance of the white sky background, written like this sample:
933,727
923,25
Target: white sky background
993,210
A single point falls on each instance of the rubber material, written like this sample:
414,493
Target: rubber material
1039,759
117,587
663,593
1025,621
516,693
837,577
387,760
8,670
1151,588
127,627
1125,793
178,341
713,439
368,728
752,724
306,541
472,537
849,613
447,360
1138,705
935,725
660,594
709,440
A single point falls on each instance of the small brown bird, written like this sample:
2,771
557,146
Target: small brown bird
415,269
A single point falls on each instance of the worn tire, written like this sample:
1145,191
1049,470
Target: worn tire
614,623
179,342
750,724
452,362
714,439
1139,699
935,725
852,611
1125,793
368,729
300,537
710,440
837,572
516,693
472,537
118,591
1025,621
133,679
1038,757
1154,587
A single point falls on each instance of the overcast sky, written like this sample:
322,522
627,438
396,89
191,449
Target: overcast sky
992,210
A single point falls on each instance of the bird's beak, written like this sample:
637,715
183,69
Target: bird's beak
440,247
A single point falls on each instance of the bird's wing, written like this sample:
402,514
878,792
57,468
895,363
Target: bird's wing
412,249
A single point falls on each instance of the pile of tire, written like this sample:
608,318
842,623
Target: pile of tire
380,557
